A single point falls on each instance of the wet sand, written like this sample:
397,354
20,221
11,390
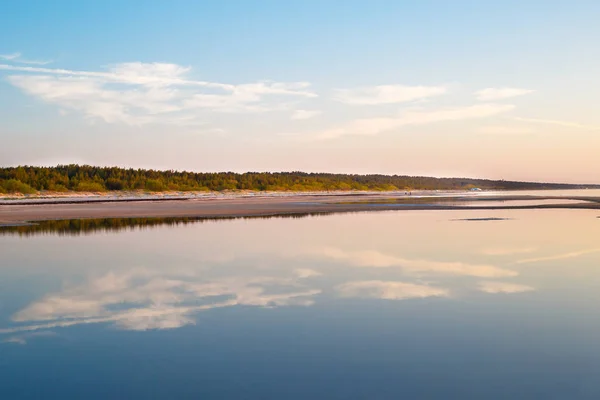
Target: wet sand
16,214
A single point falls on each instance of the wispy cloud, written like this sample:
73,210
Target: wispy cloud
305,114
10,57
494,94
141,93
503,287
374,126
573,254
386,94
565,124
389,290
134,73
16,58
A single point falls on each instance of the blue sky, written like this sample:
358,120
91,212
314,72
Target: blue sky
487,89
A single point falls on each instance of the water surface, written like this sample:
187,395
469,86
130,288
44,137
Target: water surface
381,305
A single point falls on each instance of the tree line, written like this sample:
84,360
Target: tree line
86,178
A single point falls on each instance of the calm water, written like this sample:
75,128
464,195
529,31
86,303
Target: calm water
382,305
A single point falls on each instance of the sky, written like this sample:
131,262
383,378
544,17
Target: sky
491,89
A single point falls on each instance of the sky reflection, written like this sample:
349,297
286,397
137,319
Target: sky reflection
165,278
366,305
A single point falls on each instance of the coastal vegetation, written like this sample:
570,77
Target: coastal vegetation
86,178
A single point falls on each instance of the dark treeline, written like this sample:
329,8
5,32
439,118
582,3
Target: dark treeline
85,178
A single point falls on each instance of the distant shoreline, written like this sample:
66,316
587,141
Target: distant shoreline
75,178
19,212
49,197
133,196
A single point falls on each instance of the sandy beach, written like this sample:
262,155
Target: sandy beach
16,212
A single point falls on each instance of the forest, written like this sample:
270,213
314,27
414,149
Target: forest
86,178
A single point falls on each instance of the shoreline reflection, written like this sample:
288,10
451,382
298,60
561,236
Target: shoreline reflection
89,226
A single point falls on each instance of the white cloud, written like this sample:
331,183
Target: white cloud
493,94
144,73
503,287
504,130
389,290
16,58
10,56
376,259
305,114
90,97
283,88
374,126
129,73
141,93
562,256
565,124
387,94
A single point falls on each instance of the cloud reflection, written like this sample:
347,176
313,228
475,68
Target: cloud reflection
389,290
167,298
376,259
562,256
503,287
141,300
23,338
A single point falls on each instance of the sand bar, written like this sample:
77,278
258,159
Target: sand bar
19,213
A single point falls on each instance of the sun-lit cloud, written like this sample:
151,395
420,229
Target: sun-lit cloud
387,94
141,93
389,290
503,287
305,114
374,126
494,94
565,124
376,259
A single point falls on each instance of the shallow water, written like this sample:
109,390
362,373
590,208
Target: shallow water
562,193
515,203
380,305
466,201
